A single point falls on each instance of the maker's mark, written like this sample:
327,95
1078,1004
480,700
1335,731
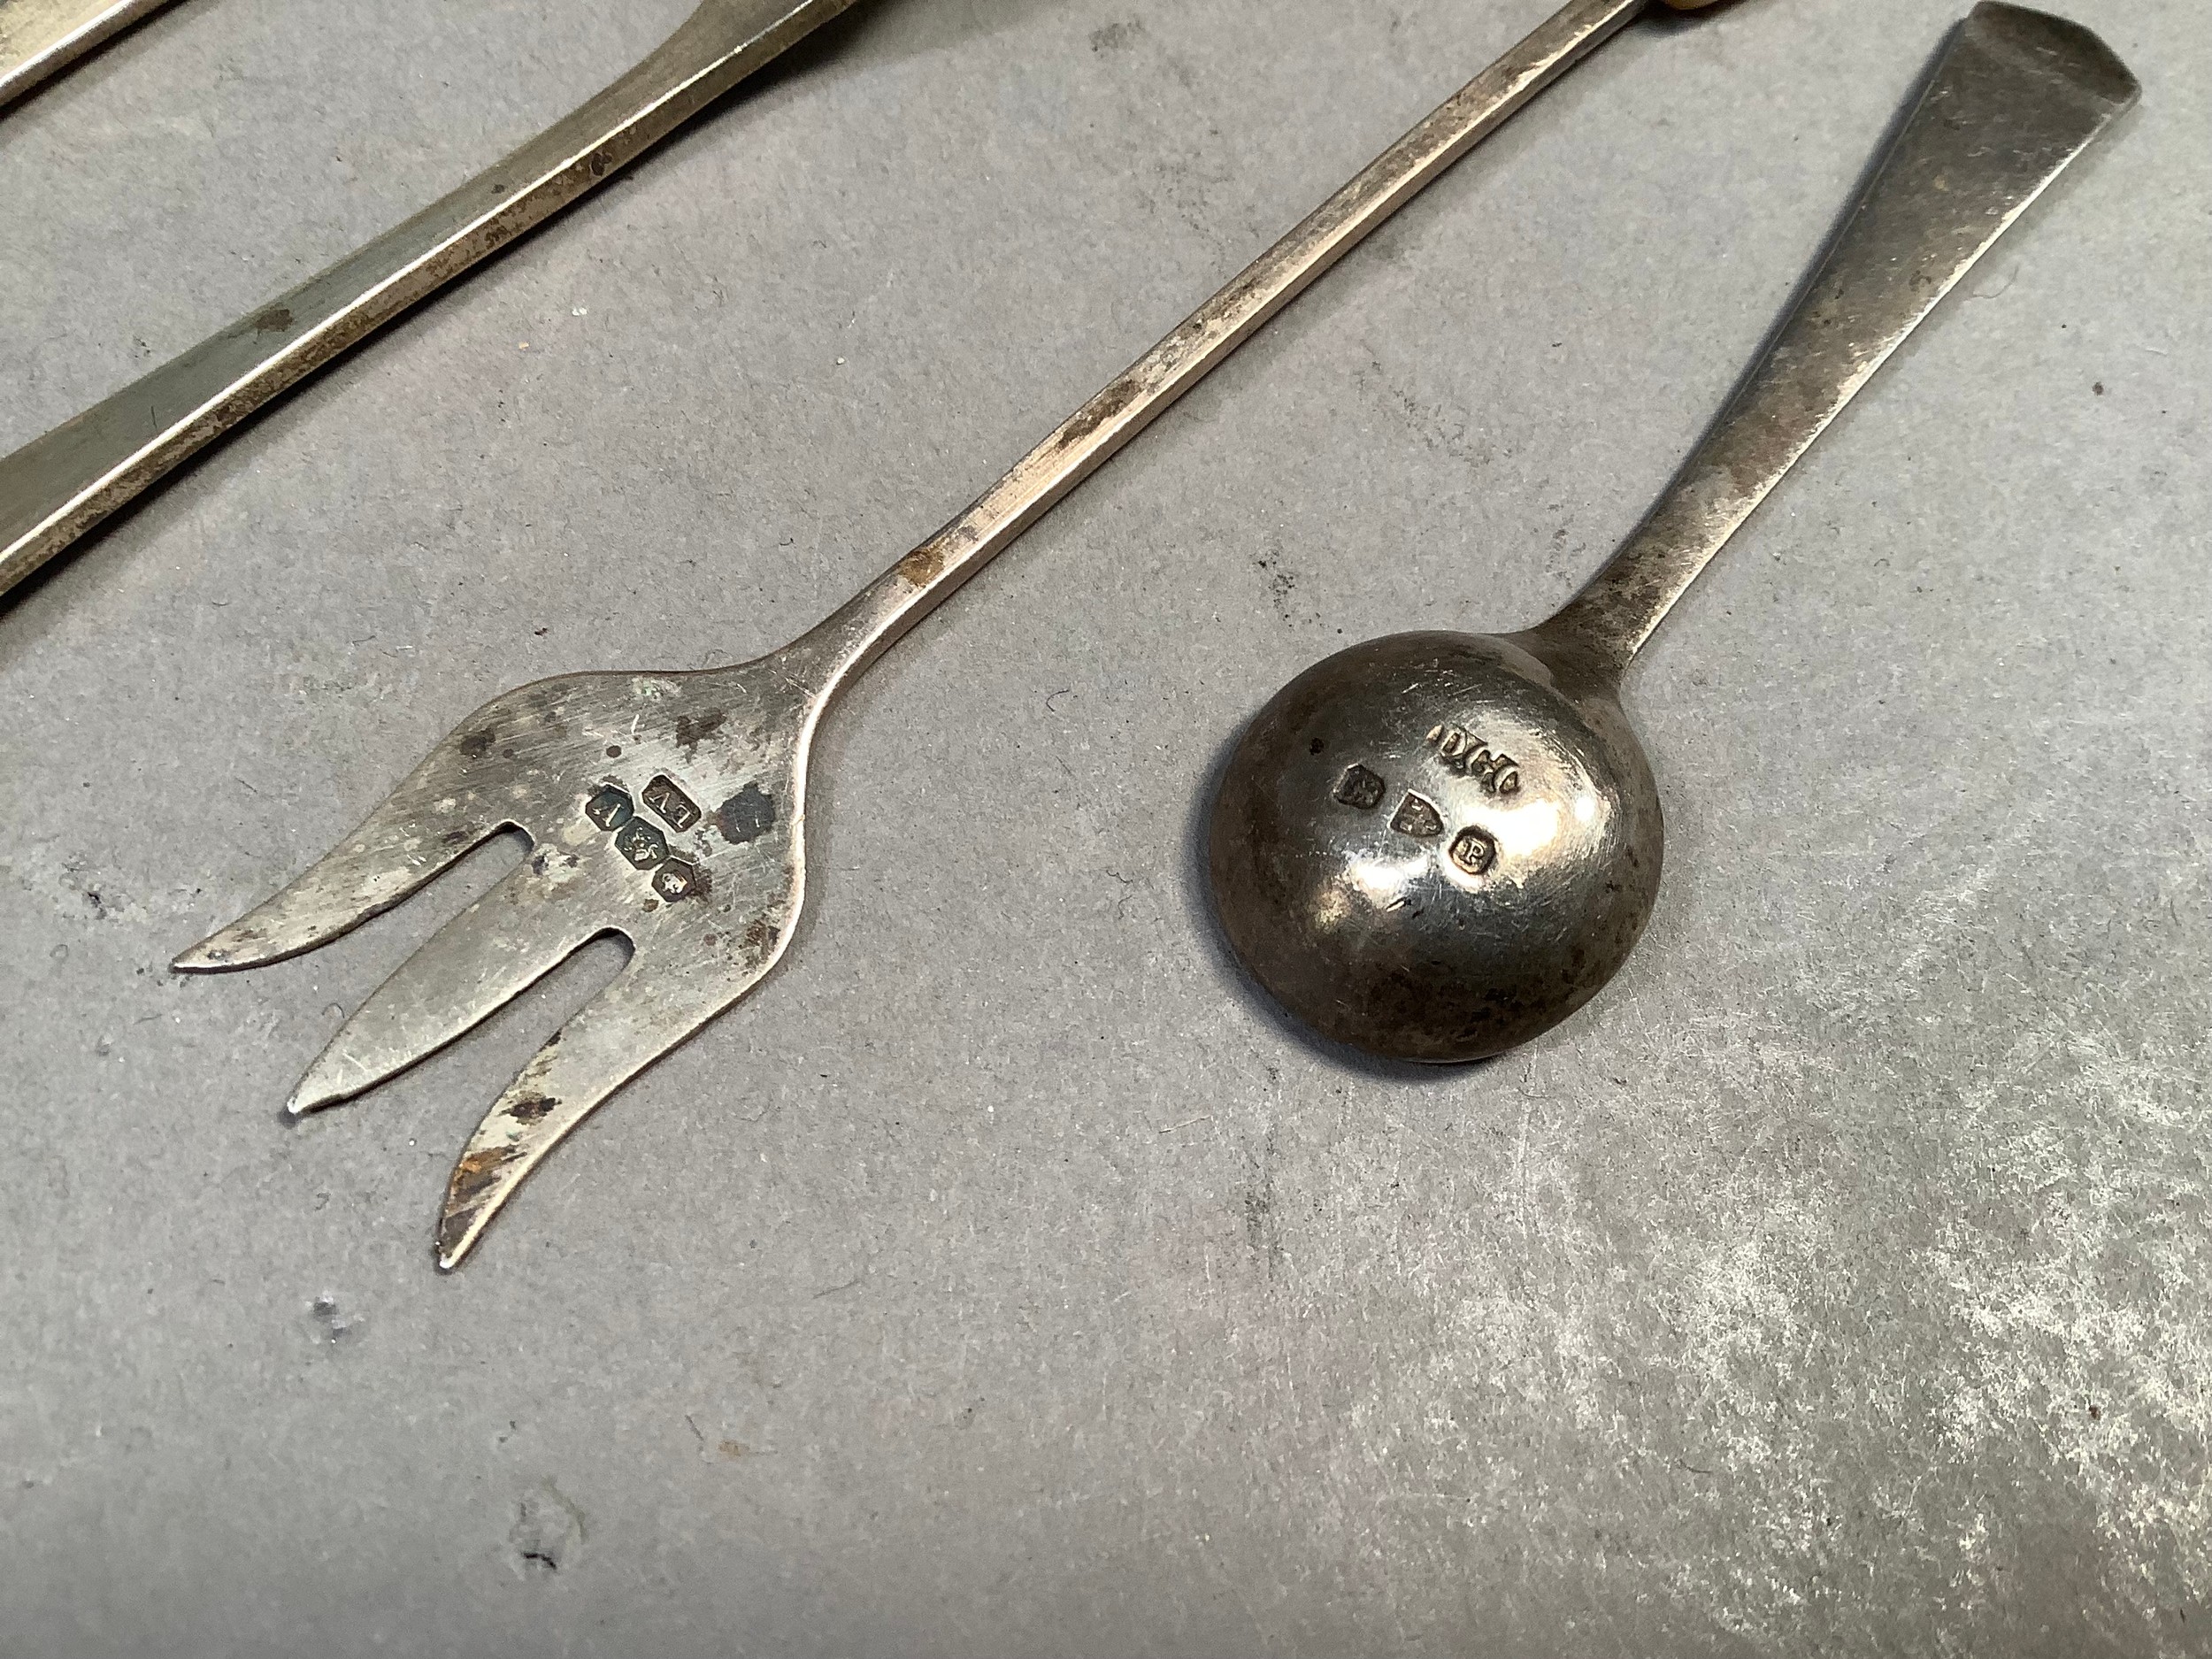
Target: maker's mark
671,803
1464,753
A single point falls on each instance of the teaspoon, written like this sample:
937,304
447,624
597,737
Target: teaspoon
1434,846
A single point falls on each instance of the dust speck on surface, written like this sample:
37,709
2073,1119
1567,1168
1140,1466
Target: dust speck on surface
1263,1225
330,1324
548,1530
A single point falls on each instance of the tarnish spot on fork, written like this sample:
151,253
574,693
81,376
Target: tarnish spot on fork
558,868
925,564
476,745
209,954
689,732
1099,411
530,1111
746,816
477,1170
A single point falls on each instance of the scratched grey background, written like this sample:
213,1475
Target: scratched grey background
1004,1277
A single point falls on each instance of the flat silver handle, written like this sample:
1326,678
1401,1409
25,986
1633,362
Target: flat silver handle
2014,97
59,486
39,38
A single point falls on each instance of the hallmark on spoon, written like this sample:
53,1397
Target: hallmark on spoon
1462,752
1361,790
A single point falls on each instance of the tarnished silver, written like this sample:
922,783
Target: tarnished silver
670,808
40,38
56,487
1434,846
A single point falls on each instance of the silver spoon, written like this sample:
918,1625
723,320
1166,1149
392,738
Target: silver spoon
1434,846
670,808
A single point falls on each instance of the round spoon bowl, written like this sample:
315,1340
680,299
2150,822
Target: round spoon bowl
1433,846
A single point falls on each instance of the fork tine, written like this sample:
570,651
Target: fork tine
422,828
488,954
643,1014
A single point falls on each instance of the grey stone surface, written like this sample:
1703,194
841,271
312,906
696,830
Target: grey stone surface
1003,1278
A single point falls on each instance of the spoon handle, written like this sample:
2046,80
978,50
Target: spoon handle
2016,96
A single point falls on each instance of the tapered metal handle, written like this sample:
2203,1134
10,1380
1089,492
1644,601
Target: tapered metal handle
876,618
39,38
58,486
2015,95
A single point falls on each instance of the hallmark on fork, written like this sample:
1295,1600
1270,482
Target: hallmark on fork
677,879
671,803
637,840
641,843
610,809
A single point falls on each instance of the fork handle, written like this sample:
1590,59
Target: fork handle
59,486
874,619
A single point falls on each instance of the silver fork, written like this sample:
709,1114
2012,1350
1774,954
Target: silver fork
670,808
